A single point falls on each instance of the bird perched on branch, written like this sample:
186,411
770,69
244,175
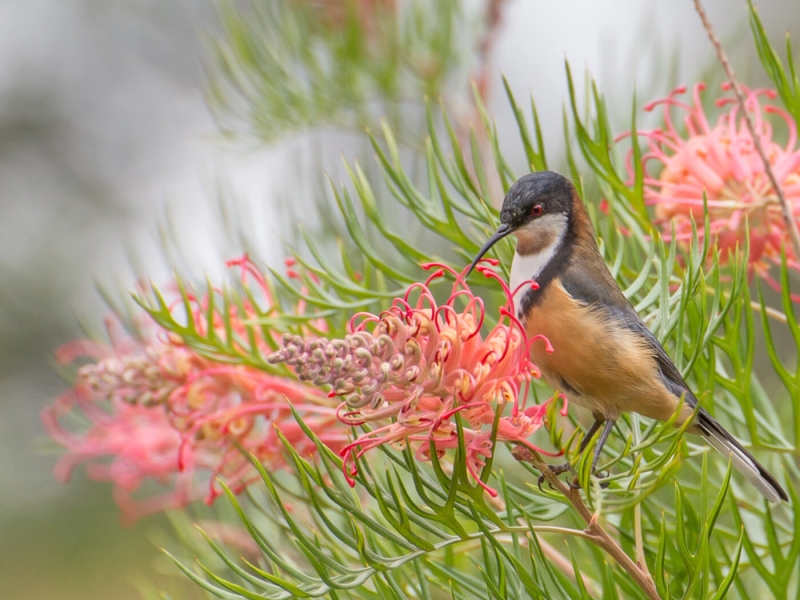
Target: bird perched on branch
605,358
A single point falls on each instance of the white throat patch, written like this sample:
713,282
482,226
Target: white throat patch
529,266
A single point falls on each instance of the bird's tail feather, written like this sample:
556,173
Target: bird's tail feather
742,460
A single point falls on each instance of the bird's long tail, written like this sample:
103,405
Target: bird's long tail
743,461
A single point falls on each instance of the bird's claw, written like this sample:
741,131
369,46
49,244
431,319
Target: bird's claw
601,477
559,469
556,470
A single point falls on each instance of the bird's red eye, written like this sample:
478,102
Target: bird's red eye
536,210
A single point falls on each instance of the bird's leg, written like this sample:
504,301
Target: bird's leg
601,442
590,434
559,469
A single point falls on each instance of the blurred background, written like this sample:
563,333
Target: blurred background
106,143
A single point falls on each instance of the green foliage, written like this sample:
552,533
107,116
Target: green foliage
784,77
285,64
409,529
388,533
414,522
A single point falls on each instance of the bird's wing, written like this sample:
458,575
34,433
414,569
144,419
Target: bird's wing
669,372
598,289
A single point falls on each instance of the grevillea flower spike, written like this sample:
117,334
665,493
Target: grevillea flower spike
149,409
722,161
410,370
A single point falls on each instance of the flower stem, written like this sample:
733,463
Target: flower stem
756,307
786,210
594,531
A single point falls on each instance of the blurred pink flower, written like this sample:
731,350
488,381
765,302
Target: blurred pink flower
149,408
224,412
411,369
722,161
120,442
338,15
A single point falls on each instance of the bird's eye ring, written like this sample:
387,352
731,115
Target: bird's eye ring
536,210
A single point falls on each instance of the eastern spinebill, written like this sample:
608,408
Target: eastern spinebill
604,357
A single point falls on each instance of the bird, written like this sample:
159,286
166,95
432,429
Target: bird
603,356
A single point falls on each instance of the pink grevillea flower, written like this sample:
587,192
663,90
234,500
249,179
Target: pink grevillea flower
127,444
226,412
411,369
147,408
722,161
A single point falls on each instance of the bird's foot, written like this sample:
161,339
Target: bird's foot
566,467
558,470
601,476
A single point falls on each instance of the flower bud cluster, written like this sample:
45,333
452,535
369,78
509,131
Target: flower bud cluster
146,378
357,367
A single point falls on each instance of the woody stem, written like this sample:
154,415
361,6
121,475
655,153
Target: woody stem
594,531
786,210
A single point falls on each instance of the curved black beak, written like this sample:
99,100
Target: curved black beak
501,232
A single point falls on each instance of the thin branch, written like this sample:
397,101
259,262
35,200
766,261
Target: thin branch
637,531
595,532
770,312
494,14
554,529
786,210
637,512
504,536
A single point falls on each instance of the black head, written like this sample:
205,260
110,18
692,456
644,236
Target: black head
535,195
532,197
